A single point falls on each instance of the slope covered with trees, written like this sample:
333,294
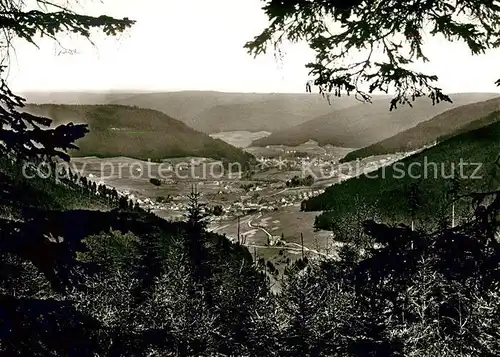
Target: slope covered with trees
365,123
143,134
451,122
212,112
111,279
273,113
384,194
124,282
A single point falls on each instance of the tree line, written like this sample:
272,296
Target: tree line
127,283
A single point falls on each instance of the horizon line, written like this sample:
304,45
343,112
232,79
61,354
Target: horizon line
144,91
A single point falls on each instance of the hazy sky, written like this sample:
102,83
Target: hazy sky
198,44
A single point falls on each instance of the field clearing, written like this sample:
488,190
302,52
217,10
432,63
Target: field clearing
240,139
291,222
275,175
288,221
133,176
309,148
264,152
249,233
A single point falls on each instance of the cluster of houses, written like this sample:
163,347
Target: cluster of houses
248,205
308,194
291,163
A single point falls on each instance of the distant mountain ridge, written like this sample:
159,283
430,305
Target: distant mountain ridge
73,97
117,130
365,124
272,114
213,112
451,122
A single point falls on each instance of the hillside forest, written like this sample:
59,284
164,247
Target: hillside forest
85,272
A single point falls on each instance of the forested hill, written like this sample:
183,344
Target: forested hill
418,185
364,124
117,130
211,111
273,113
451,122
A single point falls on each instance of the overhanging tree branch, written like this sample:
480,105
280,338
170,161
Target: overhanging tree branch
394,26
23,135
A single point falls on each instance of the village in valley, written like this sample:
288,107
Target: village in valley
260,208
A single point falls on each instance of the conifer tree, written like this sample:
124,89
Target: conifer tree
41,323
195,244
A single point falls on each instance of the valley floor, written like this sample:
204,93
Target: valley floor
261,208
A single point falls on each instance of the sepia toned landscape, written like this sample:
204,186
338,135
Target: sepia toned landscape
267,178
